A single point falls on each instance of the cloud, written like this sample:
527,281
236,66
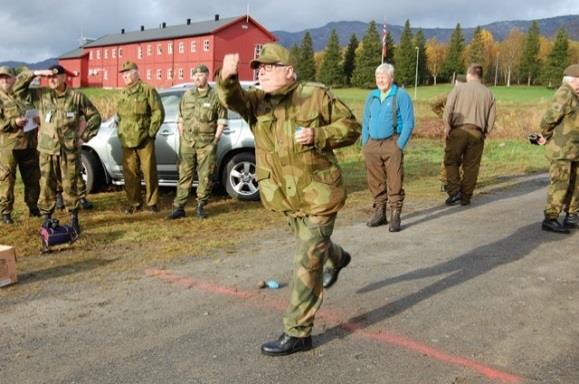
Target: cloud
35,30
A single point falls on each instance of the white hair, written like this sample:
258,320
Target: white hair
385,68
568,79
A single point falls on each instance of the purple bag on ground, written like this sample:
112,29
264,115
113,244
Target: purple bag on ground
52,233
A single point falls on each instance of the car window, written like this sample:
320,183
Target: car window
171,104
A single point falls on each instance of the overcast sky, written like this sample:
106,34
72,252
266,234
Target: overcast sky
35,30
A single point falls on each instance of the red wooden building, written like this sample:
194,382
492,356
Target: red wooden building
167,55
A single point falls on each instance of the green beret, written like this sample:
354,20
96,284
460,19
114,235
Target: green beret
128,65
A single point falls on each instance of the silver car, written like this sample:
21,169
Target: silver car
102,156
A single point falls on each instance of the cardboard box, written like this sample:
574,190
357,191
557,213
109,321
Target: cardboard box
7,265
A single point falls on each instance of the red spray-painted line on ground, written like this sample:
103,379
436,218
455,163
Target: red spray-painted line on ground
331,316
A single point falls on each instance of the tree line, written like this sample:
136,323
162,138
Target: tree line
521,58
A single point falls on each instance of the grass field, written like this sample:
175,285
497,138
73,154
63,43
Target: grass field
113,243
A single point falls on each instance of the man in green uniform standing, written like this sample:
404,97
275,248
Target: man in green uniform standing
60,109
469,116
17,149
560,135
140,115
201,121
296,127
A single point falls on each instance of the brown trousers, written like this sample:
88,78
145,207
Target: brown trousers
385,171
464,147
136,162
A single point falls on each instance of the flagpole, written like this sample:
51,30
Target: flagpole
384,33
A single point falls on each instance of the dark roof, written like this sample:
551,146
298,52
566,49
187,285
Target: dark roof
169,32
74,54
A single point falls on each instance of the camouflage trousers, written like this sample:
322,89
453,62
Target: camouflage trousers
201,160
563,188
313,249
53,167
26,160
136,162
80,184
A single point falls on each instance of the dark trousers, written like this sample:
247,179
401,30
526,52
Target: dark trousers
464,147
385,171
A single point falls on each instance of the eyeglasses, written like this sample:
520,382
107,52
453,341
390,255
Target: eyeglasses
269,67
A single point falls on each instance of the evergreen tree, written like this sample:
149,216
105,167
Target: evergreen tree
453,64
420,42
368,58
476,49
557,59
390,49
530,63
306,65
331,71
295,55
405,57
349,59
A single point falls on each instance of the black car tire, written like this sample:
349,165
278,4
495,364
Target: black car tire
238,177
92,171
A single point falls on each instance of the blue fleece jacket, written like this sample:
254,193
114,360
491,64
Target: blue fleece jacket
377,122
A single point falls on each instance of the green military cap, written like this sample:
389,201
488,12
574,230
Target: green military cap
572,70
201,68
6,71
272,53
128,65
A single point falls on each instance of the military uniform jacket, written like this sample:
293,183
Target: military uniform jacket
59,116
295,179
140,114
560,125
11,135
201,113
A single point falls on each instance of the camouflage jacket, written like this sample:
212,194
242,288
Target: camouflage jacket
11,135
60,115
295,179
560,125
140,114
201,113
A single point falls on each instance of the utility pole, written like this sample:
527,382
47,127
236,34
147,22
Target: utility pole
497,69
416,73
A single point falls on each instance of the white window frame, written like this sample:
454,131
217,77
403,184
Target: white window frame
159,74
170,74
98,54
139,52
257,50
206,45
149,74
106,53
181,47
121,52
180,73
159,49
170,48
114,53
193,46
149,50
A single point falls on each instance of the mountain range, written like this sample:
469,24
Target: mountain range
500,29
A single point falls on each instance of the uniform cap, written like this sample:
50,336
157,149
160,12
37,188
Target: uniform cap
572,70
272,53
6,71
128,65
58,70
201,68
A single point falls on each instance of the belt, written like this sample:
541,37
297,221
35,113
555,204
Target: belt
384,139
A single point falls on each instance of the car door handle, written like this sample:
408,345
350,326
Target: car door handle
166,132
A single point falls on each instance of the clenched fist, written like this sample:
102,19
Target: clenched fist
230,65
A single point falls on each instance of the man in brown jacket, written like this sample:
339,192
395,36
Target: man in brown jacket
469,116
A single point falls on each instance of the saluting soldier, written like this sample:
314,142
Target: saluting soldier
61,110
201,121
560,135
17,149
140,115
296,127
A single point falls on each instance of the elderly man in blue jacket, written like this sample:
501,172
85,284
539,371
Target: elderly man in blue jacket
387,127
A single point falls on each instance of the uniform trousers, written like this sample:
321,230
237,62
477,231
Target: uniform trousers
385,171
51,166
313,249
563,188
26,160
200,159
136,162
464,147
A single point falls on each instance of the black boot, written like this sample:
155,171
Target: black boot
571,220
378,216
34,212
552,225
59,201
286,345
177,213
330,275
85,204
74,221
46,218
7,218
453,199
201,210
394,220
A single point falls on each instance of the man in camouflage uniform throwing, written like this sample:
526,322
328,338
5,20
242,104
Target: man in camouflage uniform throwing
140,113
296,127
60,109
560,135
201,121
17,149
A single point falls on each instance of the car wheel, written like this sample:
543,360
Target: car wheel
239,177
92,171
